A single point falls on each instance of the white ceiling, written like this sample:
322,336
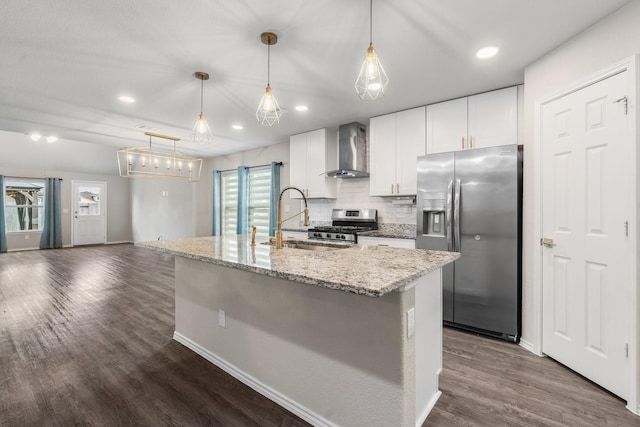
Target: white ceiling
64,63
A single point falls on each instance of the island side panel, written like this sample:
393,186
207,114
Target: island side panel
332,356
428,343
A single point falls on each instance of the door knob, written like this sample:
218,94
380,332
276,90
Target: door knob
546,242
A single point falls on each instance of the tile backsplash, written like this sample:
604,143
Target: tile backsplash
354,193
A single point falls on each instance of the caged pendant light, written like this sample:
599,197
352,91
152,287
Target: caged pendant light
372,81
269,112
201,133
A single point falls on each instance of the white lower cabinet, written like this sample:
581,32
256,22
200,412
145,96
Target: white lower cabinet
297,235
386,241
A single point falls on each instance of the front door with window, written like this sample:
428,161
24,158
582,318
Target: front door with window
89,212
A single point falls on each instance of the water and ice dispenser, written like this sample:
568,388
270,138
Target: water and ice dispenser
433,216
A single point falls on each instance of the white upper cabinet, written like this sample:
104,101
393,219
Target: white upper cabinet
311,154
485,120
396,140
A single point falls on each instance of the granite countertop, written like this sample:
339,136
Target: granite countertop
361,269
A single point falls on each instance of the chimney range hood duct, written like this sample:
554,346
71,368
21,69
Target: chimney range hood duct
352,152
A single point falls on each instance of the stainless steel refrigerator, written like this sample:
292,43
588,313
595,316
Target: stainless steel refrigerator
470,202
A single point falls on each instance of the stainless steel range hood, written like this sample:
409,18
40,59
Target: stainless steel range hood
352,152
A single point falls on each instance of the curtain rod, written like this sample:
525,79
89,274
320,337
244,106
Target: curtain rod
30,177
250,167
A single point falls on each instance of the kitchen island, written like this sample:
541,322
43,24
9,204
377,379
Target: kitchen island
347,336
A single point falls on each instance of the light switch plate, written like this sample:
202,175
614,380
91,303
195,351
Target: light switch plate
411,322
222,321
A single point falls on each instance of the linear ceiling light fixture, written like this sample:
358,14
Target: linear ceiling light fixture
372,81
201,132
269,112
158,163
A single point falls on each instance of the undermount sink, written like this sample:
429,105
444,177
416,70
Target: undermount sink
311,246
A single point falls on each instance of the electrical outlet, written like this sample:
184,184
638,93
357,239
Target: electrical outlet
287,209
27,237
411,322
222,321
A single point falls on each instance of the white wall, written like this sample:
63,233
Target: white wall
607,42
161,209
69,160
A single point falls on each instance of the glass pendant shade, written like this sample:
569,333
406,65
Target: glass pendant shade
372,81
201,133
269,112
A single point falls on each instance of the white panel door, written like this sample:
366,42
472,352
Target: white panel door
585,280
382,135
447,126
89,213
410,143
493,118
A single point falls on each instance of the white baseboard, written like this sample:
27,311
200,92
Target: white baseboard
23,249
527,346
425,412
282,400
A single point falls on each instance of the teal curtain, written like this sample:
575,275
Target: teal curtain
275,194
3,230
216,230
52,231
243,200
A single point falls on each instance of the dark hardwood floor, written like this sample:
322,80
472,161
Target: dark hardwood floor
85,339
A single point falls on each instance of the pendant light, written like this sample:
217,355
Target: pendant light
372,81
201,133
268,113
158,163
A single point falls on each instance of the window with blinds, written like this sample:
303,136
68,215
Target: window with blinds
229,202
259,194
259,199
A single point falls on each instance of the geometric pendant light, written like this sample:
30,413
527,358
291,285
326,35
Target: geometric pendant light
268,112
201,133
372,81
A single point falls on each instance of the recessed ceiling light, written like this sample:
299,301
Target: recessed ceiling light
237,127
52,139
301,108
127,99
487,52
35,136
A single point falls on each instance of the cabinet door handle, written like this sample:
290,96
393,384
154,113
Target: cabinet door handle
470,142
462,143
397,188
391,188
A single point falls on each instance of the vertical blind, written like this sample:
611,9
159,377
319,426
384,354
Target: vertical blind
229,202
259,199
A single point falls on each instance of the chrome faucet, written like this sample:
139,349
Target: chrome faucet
279,244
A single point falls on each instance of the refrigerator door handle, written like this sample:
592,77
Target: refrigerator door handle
448,216
456,217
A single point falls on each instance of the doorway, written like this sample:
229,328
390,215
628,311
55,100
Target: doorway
586,297
89,224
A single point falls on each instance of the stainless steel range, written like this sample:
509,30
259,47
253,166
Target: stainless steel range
346,223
